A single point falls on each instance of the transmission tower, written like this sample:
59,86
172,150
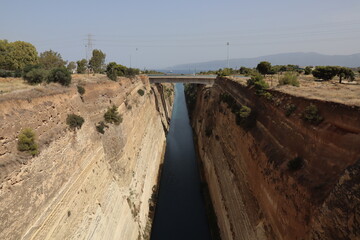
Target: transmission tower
89,46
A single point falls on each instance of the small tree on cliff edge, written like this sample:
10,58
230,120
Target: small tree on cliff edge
97,61
264,68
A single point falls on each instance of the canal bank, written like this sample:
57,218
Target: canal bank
180,211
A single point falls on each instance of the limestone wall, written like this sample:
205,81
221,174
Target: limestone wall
83,184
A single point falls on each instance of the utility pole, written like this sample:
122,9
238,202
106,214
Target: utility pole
227,44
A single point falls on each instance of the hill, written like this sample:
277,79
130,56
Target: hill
301,59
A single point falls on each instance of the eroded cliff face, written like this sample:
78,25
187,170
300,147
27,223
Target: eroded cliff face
83,184
256,192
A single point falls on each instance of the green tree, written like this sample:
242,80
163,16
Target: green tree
36,75
325,72
81,66
60,75
347,73
50,59
16,55
307,70
246,71
97,61
264,67
71,66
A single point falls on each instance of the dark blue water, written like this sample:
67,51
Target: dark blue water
180,212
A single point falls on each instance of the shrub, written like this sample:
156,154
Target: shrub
74,121
311,114
81,90
4,73
101,126
245,118
289,109
36,75
326,73
289,78
131,72
257,81
112,116
307,70
60,75
26,142
141,92
295,164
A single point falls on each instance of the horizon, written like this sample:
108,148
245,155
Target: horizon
161,35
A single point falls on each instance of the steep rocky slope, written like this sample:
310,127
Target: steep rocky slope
83,184
273,175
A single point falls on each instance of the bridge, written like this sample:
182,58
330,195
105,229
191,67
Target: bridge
198,79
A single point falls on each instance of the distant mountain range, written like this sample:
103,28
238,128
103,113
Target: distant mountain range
301,59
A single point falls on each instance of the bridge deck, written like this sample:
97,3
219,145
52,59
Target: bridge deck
205,79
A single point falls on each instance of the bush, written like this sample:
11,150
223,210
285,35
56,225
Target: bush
74,121
326,73
295,164
6,73
311,114
245,118
101,126
26,142
60,75
81,90
289,109
112,116
289,78
307,70
259,84
131,72
36,75
141,92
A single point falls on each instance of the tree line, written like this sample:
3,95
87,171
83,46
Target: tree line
21,59
325,73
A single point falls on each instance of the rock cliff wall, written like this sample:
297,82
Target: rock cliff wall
83,184
279,176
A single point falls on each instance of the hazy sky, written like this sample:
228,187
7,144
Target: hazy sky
159,33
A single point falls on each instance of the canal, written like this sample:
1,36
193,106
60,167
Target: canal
180,212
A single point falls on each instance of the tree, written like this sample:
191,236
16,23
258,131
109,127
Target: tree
347,73
113,70
71,67
97,61
50,59
16,55
264,67
307,70
326,73
246,71
36,75
60,75
81,66
329,72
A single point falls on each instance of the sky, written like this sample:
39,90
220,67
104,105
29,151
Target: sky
155,34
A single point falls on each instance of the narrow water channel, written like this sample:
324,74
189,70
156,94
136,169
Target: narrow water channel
180,211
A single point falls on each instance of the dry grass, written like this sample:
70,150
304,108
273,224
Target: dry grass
346,92
13,84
